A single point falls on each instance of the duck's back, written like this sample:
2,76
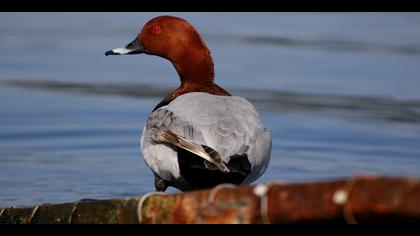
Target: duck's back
230,125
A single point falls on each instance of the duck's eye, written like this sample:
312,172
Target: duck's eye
155,29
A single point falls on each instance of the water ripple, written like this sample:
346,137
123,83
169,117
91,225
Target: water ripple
317,43
358,107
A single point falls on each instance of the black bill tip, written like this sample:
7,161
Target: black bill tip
110,52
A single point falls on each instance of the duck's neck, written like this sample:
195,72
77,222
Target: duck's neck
196,72
195,69
197,75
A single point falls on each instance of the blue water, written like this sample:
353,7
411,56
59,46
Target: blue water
339,92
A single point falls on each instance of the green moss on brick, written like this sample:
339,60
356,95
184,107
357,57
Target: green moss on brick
16,216
53,214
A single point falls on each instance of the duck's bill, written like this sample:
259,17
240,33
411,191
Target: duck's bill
132,48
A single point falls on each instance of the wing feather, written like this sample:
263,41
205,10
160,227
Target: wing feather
209,154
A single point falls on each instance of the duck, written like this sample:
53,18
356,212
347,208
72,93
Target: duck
199,136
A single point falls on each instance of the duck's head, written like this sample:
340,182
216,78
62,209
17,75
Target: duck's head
177,40
165,36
